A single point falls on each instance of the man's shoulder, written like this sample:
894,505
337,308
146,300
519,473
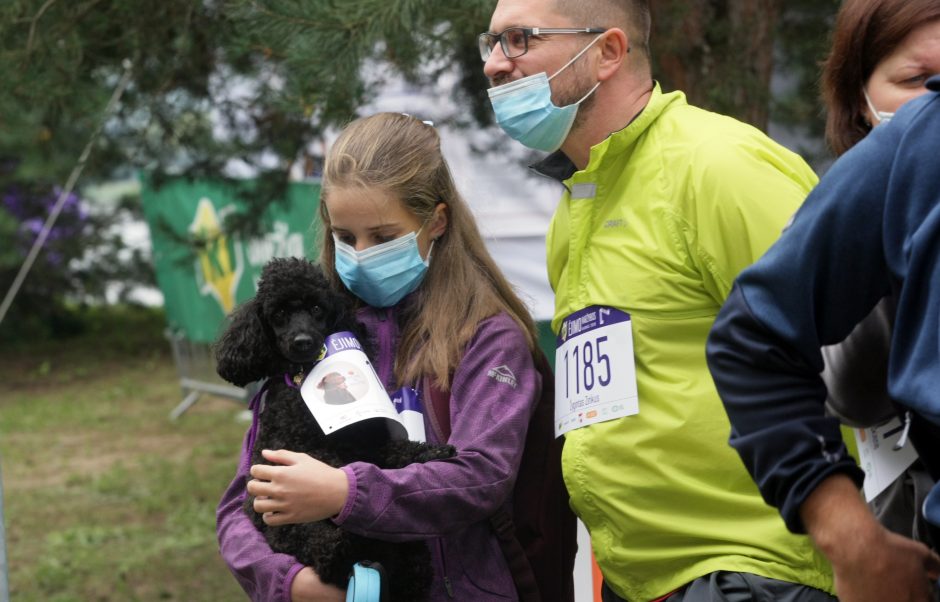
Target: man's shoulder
702,134
705,141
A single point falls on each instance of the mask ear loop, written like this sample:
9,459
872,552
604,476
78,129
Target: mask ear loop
576,57
427,260
879,115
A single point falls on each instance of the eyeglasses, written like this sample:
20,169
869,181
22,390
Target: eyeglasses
514,41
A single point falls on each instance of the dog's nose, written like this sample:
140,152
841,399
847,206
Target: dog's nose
302,342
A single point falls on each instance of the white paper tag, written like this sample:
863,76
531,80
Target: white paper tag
881,462
343,388
595,373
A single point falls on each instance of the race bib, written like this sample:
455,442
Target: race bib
595,373
343,388
878,457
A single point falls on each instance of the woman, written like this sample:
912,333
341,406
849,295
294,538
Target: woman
883,52
403,244
882,49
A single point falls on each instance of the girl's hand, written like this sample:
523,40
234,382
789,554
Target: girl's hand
298,490
307,587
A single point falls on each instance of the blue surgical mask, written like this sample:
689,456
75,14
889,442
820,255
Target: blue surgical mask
525,111
881,116
382,274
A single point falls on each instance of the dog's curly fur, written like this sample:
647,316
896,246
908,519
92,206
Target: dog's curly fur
281,331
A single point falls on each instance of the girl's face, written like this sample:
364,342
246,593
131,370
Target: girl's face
365,217
901,75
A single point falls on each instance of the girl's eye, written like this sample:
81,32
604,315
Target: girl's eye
347,239
382,238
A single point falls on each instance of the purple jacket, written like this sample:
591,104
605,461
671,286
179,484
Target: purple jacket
448,502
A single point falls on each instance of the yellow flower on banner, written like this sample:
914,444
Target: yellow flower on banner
219,275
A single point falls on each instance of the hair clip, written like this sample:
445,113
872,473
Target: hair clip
425,122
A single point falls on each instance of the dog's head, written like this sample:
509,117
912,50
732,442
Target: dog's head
283,327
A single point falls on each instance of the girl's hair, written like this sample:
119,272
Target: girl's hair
865,33
401,156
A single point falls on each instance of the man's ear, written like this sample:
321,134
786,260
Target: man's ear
614,47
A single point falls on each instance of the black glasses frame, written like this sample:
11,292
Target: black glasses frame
487,41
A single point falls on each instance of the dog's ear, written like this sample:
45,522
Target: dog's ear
243,353
341,313
346,318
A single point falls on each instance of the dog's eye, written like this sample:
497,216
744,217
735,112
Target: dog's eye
279,315
315,309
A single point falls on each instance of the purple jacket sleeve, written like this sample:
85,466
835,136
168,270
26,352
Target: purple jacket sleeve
263,574
493,395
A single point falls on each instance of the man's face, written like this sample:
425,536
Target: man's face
547,53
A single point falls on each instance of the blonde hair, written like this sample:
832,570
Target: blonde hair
401,156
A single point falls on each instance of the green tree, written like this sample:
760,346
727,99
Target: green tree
724,53
218,83
215,83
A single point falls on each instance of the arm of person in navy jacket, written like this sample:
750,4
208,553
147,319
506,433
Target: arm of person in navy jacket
813,285
872,225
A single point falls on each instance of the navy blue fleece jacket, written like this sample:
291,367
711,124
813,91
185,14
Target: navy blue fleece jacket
871,227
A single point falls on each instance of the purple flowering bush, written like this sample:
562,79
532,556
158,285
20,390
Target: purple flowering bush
30,208
83,258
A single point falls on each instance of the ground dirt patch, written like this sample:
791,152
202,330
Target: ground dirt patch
106,498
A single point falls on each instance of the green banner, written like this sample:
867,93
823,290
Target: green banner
202,283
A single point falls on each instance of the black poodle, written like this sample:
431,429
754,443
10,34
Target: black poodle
279,335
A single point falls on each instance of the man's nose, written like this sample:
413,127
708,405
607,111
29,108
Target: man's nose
497,63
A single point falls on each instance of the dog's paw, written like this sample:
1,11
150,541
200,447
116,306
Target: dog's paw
398,454
439,452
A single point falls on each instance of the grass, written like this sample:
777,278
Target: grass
104,497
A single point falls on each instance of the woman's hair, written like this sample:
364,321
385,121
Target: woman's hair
865,33
401,156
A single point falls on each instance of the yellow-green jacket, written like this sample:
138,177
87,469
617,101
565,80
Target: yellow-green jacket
671,208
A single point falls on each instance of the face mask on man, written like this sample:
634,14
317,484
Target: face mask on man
383,274
881,116
525,111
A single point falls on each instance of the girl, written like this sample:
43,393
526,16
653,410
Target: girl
402,242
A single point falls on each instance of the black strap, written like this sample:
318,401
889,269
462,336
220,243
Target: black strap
501,522
516,558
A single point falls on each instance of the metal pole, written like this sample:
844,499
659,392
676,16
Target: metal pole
60,202
4,572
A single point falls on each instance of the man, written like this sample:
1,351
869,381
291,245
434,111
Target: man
870,228
664,204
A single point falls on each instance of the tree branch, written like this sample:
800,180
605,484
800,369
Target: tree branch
32,26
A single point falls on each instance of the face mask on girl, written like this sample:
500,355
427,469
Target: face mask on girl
881,116
383,274
525,111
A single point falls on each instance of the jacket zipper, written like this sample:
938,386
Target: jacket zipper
385,353
447,584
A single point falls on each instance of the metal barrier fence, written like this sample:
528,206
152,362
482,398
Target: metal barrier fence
195,365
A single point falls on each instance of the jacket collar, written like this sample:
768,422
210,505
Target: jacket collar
559,167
